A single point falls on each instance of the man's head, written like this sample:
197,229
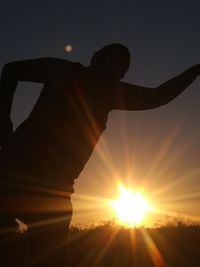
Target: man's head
112,60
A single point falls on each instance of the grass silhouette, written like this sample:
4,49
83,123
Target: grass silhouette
175,242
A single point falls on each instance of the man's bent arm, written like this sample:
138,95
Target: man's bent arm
35,70
133,97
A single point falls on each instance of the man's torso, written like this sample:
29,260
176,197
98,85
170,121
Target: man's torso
55,142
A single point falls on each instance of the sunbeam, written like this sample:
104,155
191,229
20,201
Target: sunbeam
155,254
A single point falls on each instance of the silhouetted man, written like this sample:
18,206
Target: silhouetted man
41,159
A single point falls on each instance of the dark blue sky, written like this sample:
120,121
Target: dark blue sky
164,40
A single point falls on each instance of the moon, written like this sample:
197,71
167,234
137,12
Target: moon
68,48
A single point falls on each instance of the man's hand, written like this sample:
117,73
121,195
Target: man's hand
6,131
195,69
133,97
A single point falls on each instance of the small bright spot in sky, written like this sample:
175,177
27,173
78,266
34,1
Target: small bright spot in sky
68,48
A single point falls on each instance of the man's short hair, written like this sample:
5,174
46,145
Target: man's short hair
114,57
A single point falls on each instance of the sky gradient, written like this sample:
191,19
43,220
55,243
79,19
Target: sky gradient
158,150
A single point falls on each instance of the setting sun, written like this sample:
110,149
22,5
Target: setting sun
130,207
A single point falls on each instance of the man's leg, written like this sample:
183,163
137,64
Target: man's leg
48,239
48,218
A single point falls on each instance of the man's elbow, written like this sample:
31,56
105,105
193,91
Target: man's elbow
9,72
160,98
6,70
157,99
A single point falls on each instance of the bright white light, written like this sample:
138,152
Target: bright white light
130,207
68,48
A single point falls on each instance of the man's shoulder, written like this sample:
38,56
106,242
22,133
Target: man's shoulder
67,65
63,61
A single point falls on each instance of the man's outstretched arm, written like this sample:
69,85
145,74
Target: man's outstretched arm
34,70
133,97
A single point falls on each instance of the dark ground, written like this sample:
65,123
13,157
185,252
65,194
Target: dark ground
108,245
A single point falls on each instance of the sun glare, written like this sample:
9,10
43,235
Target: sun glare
130,207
